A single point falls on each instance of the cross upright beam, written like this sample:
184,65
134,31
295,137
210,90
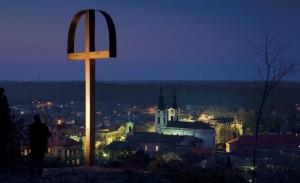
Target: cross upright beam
90,87
89,56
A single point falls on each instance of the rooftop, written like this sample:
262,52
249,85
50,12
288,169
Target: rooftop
153,137
191,125
266,139
63,142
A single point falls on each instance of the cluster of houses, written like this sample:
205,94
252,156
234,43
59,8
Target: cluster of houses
62,149
178,137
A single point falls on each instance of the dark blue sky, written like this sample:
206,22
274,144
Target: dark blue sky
156,40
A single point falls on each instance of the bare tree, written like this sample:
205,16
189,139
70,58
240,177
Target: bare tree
273,69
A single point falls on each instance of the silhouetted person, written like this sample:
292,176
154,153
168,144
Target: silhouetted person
38,133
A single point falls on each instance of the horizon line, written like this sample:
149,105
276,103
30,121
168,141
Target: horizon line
134,81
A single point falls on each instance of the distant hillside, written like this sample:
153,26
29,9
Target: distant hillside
206,93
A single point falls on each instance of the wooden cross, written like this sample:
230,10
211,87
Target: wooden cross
89,56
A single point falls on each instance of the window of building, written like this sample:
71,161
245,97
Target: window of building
77,162
73,162
146,148
25,152
156,148
164,120
158,120
68,152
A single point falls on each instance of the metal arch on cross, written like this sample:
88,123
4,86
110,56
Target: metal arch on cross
89,56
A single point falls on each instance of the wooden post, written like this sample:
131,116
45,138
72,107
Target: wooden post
90,88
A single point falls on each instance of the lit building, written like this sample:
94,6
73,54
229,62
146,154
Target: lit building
66,149
61,146
41,104
167,122
107,134
205,116
186,117
227,129
156,143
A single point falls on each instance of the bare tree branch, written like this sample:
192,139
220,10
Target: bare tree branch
273,70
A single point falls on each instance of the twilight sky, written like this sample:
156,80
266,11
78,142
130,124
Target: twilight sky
156,40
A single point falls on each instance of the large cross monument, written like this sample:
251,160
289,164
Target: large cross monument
89,56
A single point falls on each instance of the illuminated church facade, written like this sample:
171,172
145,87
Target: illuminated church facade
167,121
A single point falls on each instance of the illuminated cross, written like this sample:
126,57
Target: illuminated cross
89,56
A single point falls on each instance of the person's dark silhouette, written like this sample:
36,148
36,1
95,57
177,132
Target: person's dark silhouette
39,134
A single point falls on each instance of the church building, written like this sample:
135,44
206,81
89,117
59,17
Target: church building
167,121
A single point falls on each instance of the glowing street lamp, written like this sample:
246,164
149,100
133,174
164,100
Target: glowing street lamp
59,121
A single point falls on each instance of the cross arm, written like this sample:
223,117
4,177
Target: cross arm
90,55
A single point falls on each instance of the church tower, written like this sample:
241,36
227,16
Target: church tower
173,111
129,128
161,114
59,131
